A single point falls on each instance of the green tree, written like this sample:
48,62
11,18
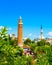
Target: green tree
41,43
8,52
27,41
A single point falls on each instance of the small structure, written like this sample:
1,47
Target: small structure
26,50
49,40
13,36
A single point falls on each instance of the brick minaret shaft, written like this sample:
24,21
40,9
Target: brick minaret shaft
20,33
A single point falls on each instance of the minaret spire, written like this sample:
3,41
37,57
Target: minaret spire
20,20
20,17
41,32
41,26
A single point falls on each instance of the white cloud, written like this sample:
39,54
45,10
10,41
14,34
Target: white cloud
10,35
30,34
25,38
9,28
1,27
50,33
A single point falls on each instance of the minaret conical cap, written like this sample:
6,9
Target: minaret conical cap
20,17
20,20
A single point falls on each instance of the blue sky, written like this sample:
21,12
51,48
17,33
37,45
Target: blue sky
33,12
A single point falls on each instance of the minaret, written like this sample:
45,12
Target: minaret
41,33
20,33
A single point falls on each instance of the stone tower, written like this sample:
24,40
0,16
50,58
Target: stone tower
20,33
